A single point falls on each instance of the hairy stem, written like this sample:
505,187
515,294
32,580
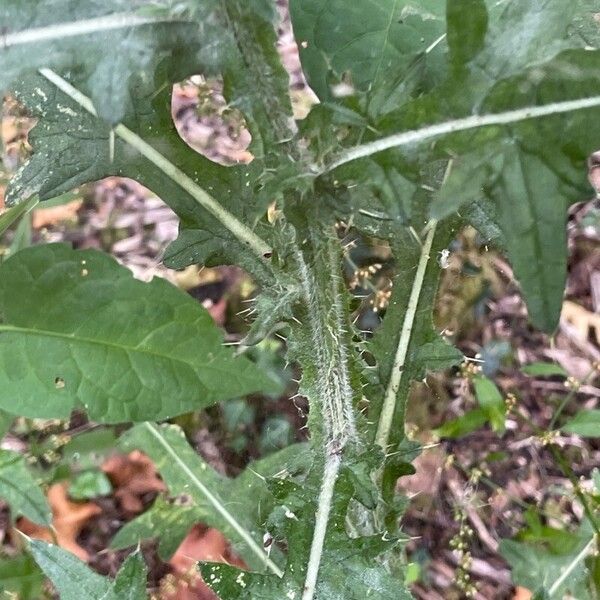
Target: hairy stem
472,122
204,199
388,409
330,391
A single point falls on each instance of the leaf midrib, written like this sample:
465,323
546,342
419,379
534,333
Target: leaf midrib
385,42
72,337
213,499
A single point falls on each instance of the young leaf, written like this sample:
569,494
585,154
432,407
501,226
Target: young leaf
463,425
491,401
89,484
585,423
541,369
19,489
126,350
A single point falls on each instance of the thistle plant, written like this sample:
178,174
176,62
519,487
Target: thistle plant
431,116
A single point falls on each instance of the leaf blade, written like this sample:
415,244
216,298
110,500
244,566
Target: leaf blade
146,353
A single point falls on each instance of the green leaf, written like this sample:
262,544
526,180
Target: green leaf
71,577
375,44
89,484
72,147
541,29
457,428
533,216
89,450
167,520
427,351
491,401
20,575
466,183
74,580
542,369
68,35
202,494
19,489
467,25
558,574
6,421
149,352
585,423
347,571
585,25
130,582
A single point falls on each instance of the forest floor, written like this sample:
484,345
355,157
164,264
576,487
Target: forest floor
494,481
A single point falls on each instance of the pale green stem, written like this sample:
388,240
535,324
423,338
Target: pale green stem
216,503
391,393
416,136
58,31
330,475
204,199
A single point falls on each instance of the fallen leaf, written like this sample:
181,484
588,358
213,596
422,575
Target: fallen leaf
68,519
132,476
522,593
45,217
581,319
200,544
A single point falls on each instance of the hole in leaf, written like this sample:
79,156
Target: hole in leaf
59,383
208,124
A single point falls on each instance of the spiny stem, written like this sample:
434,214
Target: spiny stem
214,501
83,27
204,199
391,393
472,122
332,389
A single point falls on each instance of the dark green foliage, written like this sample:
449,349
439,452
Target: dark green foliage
433,115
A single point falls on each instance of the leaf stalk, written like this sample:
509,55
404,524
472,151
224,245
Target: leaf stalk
388,408
422,134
